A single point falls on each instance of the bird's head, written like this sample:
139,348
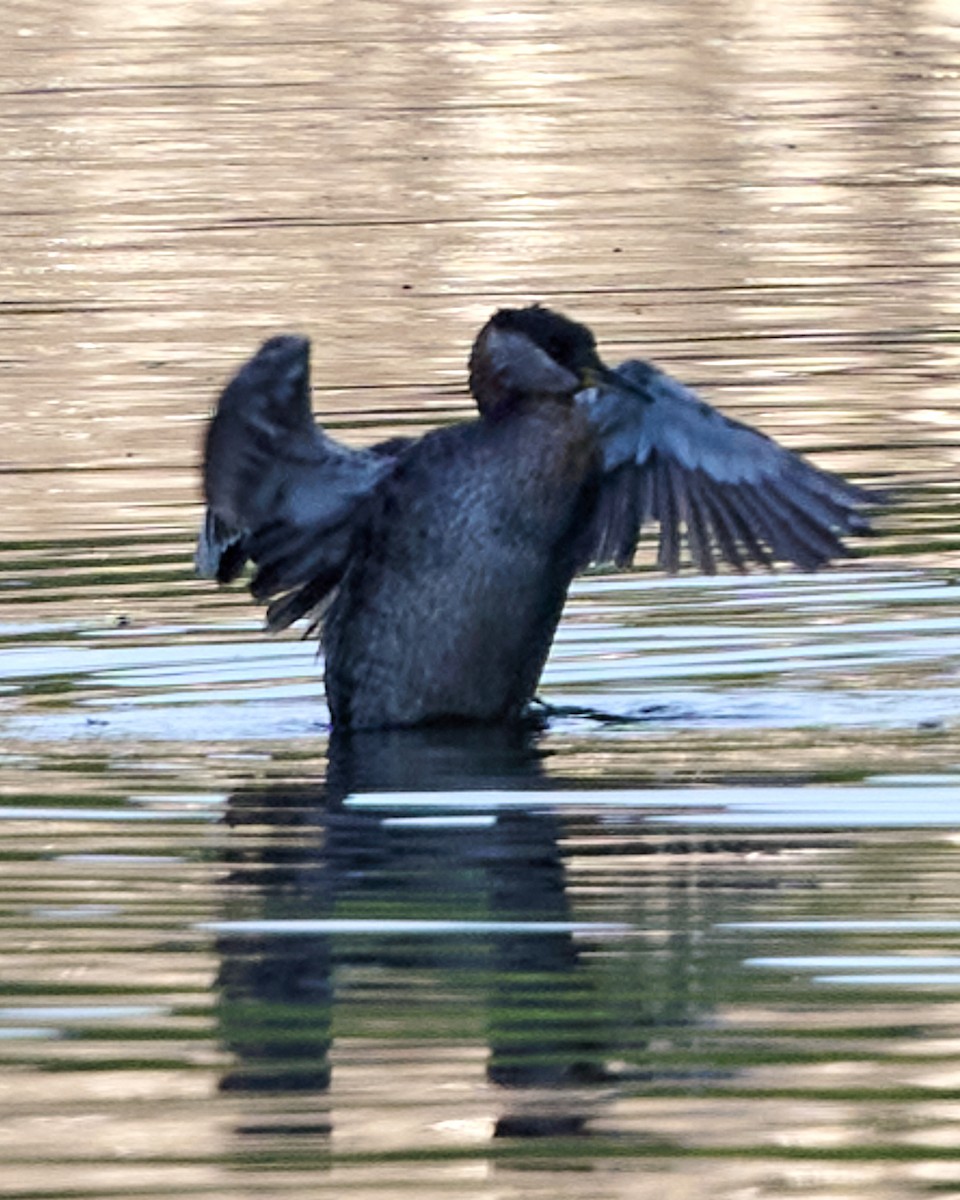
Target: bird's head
534,353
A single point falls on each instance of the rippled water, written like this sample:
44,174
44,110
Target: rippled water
707,941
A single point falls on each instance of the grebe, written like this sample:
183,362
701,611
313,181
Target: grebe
437,567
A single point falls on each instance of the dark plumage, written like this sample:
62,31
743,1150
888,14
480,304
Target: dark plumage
438,567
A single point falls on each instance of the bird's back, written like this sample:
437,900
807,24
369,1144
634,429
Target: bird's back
459,572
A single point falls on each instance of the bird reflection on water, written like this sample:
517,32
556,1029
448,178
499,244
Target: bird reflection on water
566,1007
301,853
438,567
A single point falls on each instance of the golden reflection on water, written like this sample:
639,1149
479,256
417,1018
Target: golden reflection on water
748,193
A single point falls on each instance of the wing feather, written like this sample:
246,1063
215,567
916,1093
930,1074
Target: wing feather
725,490
698,533
725,531
668,556
280,491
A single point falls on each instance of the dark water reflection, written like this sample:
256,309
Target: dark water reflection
474,907
345,929
706,943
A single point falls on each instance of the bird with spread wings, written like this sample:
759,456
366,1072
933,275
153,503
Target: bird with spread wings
437,567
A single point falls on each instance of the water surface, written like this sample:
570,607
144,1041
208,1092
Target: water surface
707,939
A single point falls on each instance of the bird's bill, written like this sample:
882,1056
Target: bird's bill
603,378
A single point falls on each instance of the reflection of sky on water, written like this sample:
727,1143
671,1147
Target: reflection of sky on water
842,650
876,806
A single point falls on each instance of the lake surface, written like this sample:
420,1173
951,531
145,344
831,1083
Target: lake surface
710,941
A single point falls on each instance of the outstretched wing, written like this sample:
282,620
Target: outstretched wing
729,491
279,491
